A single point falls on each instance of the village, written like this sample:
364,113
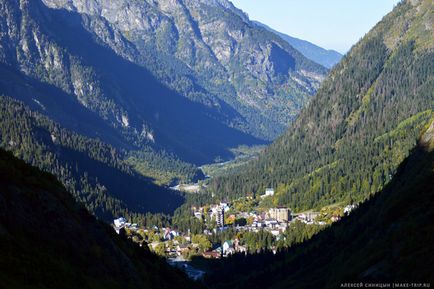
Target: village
238,227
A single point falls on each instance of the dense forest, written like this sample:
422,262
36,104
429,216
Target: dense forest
104,106
48,240
167,86
94,172
211,53
348,142
387,239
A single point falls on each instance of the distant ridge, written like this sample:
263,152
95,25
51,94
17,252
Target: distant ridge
363,122
325,57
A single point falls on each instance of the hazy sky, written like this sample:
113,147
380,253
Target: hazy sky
332,24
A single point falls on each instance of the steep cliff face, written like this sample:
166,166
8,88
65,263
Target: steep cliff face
209,52
190,77
364,120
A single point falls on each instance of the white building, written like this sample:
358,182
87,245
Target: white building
220,217
349,208
198,215
225,206
275,232
228,248
269,192
308,218
120,222
271,223
170,234
218,213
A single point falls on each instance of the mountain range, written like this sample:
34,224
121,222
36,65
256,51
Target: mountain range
100,100
104,93
363,122
192,78
327,58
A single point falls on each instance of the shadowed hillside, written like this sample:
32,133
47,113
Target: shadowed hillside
389,238
47,240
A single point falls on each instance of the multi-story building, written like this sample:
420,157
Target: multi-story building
220,216
280,214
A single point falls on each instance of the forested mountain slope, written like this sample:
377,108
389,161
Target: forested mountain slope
387,239
327,58
94,172
360,126
193,78
210,52
47,240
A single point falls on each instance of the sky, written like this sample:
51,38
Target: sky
331,24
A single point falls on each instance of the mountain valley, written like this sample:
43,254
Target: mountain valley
179,144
